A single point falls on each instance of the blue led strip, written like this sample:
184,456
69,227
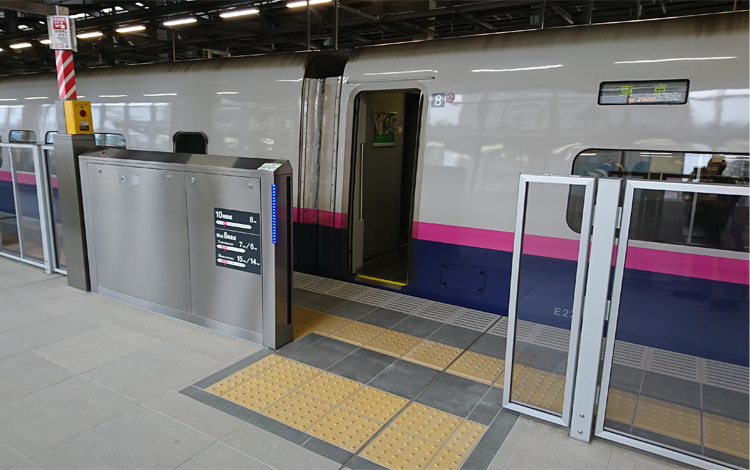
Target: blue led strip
273,212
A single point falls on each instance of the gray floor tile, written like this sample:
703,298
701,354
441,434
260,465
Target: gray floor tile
299,345
667,440
275,451
137,438
9,348
486,449
24,465
49,288
232,368
738,462
15,316
490,345
725,402
96,306
194,414
55,413
300,296
213,345
404,379
26,275
51,331
152,371
623,458
27,372
361,463
488,407
352,310
626,378
362,365
509,445
383,317
222,457
9,457
327,450
541,358
325,353
671,389
454,336
416,326
95,348
323,303
454,395
11,298
156,326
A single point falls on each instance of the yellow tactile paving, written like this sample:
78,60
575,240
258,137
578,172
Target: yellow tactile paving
726,435
466,437
669,419
298,410
302,315
538,388
431,354
621,406
330,387
257,393
448,459
376,404
398,450
290,373
393,343
230,382
477,367
345,429
263,365
357,333
428,423
327,324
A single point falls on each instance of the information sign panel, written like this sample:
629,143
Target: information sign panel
62,34
644,92
237,240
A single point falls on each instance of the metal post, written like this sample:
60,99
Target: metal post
542,7
590,12
43,201
336,24
308,26
595,308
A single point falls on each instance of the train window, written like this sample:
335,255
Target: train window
190,142
48,137
22,137
110,140
710,221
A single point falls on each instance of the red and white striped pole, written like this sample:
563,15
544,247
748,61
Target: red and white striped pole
66,74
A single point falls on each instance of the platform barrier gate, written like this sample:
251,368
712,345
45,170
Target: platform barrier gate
651,299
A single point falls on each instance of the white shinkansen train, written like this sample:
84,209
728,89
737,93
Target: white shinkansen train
407,156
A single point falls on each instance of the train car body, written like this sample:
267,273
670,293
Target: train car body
407,163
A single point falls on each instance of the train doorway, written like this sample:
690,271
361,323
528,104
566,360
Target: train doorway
386,129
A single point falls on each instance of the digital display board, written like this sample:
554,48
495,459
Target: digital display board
644,92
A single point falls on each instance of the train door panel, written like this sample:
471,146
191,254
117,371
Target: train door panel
386,130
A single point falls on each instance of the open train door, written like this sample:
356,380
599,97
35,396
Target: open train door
386,131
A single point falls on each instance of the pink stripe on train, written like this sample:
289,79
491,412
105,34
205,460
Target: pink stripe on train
23,178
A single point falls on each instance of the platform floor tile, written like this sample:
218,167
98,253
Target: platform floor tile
230,382
375,404
539,388
357,333
431,354
726,435
447,459
466,437
298,410
393,343
427,422
263,365
256,394
477,367
621,406
290,373
327,324
397,450
330,387
669,419
345,429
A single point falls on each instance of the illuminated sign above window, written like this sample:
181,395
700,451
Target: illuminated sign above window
642,92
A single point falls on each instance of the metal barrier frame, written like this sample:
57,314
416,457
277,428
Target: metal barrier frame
631,186
589,184
52,255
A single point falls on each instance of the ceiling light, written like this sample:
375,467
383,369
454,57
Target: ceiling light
160,94
23,26
305,2
45,41
20,45
93,34
36,98
179,22
139,4
233,13
227,92
130,29
112,96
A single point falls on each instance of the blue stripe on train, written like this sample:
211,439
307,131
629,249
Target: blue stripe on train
687,315
26,196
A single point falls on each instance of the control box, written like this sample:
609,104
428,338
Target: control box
78,117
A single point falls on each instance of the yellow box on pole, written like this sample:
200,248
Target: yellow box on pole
78,117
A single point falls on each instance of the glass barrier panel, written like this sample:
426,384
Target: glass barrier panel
28,203
9,242
679,376
547,277
55,207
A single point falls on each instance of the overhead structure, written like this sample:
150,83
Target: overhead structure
120,32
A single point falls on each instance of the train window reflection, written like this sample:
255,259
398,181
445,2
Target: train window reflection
110,140
682,218
22,137
190,142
